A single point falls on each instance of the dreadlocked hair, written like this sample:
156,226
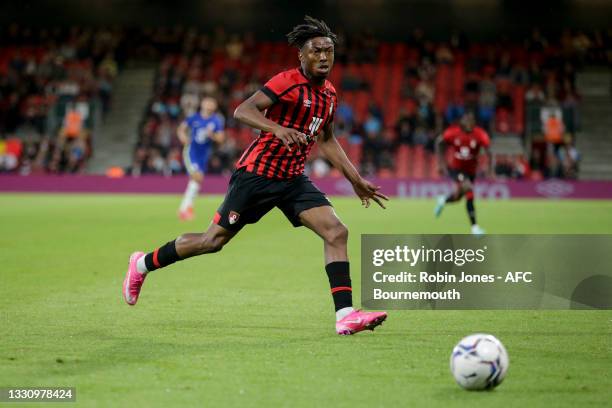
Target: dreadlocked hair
310,29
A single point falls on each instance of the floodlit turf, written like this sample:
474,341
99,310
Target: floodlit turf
253,325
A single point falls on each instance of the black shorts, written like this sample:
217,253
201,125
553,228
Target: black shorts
459,176
250,197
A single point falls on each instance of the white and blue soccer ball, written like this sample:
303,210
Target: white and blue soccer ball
479,362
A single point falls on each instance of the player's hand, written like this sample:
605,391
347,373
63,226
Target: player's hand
290,136
367,191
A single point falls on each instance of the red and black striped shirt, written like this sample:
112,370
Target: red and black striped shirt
298,105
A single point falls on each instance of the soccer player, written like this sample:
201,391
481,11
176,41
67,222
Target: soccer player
465,141
197,133
293,111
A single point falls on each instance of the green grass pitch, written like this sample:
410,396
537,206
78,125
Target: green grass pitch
253,324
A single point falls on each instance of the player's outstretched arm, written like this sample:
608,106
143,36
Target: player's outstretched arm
332,150
183,132
250,112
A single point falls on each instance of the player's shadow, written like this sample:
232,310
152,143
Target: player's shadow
104,350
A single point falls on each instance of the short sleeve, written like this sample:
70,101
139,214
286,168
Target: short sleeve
484,138
333,108
189,120
448,135
276,86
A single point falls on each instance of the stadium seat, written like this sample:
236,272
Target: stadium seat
402,161
355,153
433,167
418,169
386,173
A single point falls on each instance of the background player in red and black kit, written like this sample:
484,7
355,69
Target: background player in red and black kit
465,141
294,110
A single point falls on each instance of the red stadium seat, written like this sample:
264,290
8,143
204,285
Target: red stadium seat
384,53
519,109
433,167
336,75
418,169
362,100
344,143
402,161
355,153
385,173
458,85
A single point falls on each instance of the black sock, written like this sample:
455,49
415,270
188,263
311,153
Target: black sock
340,283
162,256
469,203
452,197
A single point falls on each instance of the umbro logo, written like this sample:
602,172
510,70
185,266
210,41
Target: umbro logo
307,103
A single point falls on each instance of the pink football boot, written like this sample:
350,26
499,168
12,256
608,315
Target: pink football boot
187,215
359,320
133,280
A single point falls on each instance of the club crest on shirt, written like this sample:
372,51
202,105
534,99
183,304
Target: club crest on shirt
233,217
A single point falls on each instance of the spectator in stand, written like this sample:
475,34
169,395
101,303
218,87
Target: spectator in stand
372,125
155,162
570,158
535,73
234,47
10,151
51,72
504,69
373,143
404,128
535,94
425,115
444,55
139,162
454,111
503,166
375,111
344,117
459,41
504,99
536,43
554,130
417,40
425,92
569,105
490,82
175,161
73,124
421,136
581,44
487,100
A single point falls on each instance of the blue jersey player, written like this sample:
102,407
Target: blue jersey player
197,133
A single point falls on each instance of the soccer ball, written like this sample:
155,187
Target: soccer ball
479,362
